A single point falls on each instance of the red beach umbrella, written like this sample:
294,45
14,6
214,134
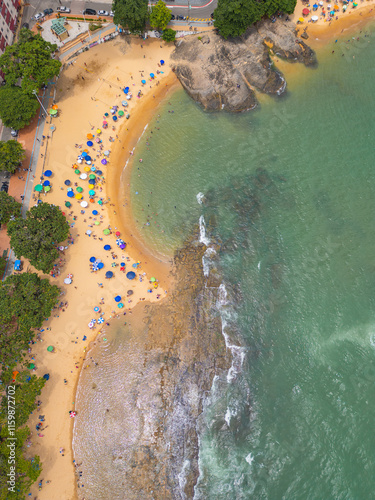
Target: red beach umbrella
305,12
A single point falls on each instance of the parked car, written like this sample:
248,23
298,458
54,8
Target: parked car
173,17
47,12
17,265
103,13
89,12
13,132
38,16
112,13
4,187
63,9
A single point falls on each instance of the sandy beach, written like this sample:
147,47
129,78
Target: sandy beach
86,90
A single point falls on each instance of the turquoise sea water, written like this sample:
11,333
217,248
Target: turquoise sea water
289,191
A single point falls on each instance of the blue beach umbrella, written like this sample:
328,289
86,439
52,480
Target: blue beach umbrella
114,118
89,143
152,75
48,173
87,158
83,154
92,259
107,247
126,90
99,172
122,264
67,182
161,62
91,181
130,275
100,265
120,305
143,81
95,212
46,183
109,274
93,168
70,194
118,298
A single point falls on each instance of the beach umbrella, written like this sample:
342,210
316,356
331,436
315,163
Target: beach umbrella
123,246
92,181
118,298
121,113
109,274
79,189
91,324
47,188
97,223
92,176
127,116
114,118
53,112
152,75
96,309
98,172
301,20
130,275
129,292
100,202
315,6
95,266
107,247
50,348
152,280
135,265
100,321
83,176
100,265
68,204
83,155
118,233
46,376
126,90
93,168
70,194
84,204
98,131
143,81
305,12
105,123
78,196
48,173
336,7
87,169
76,171
89,136
106,152
95,212
161,62
91,192
46,183
124,103
333,12
38,188
31,366
104,161
88,232
106,231
314,18
119,242
92,259
67,281
87,158
67,182
89,143
120,305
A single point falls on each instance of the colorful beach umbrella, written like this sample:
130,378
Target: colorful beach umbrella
92,181
100,202
100,321
47,188
107,247
46,183
99,172
79,189
53,112
130,275
38,188
95,212
76,171
161,62
89,136
121,113
70,194
92,176
84,204
100,265
91,192
68,204
106,231
31,366
152,75
47,173
143,81
120,305
106,152
50,348
67,281
78,196
87,158
96,309
67,182
109,274
83,176
118,298
89,143
104,161
92,259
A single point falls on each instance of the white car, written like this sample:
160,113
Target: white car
112,13
64,9
38,16
103,13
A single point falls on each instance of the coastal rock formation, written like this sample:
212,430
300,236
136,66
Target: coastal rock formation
224,74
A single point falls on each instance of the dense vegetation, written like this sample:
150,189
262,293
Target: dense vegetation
27,66
169,35
9,207
11,155
37,236
131,14
160,16
233,17
25,301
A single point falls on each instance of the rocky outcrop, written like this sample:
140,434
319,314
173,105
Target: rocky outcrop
224,74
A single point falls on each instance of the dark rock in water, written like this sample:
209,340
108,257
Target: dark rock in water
222,74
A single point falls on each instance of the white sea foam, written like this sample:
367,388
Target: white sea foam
249,459
182,477
202,231
200,198
228,416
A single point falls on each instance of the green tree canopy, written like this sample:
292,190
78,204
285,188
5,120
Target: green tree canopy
37,236
160,16
25,302
29,59
131,14
233,17
169,35
16,108
11,155
9,207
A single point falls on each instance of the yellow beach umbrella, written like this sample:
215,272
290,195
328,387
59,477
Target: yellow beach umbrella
87,169
78,196
301,19
98,131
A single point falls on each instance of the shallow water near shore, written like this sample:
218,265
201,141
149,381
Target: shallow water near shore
288,191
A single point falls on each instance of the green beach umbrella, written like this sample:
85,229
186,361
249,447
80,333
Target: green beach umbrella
47,188
92,176
106,231
152,280
68,204
31,366
79,189
100,202
76,171
53,112
91,192
38,188
96,223
121,113
50,348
